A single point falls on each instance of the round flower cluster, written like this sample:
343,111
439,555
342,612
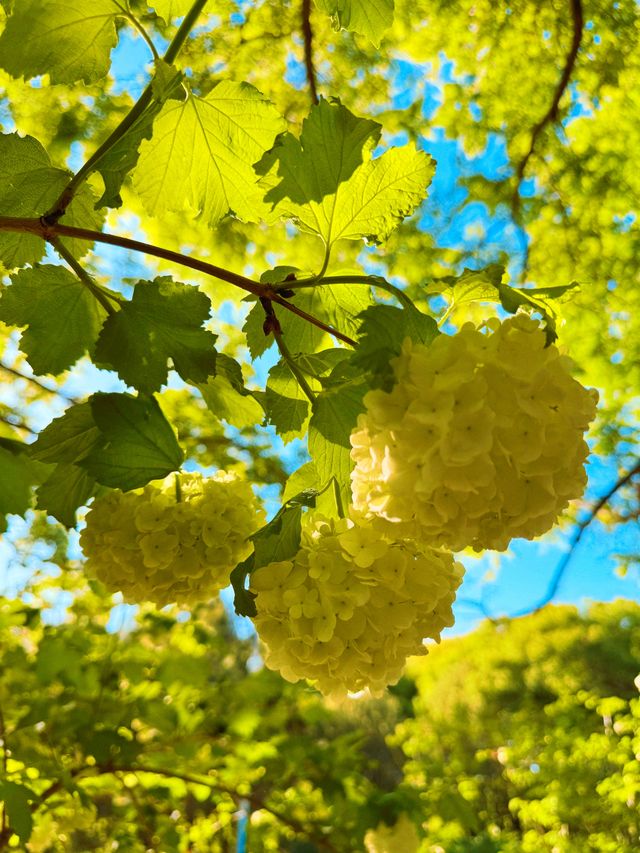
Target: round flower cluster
153,547
350,607
480,439
399,838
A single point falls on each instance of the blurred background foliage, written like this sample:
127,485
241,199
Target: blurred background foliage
522,736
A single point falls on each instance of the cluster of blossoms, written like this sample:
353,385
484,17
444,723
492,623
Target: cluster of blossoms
349,608
480,439
399,838
153,547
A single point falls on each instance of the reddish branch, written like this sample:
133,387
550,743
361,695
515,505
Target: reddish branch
51,230
551,114
307,34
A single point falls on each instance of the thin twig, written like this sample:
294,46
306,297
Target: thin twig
307,33
17,423
83,276
562,566
370,280
579,530
128,14
38,383
551,114
256,801
66,196
272,324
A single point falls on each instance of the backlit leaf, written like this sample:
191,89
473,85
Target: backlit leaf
69,40
200,157
369,17
369,203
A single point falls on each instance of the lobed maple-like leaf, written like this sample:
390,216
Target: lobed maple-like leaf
201,154
367,201
69,40
37,296
162,321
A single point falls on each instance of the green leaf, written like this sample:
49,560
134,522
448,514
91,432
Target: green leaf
68,488
285,403
29,186
369,204
304,479
17,799
162,321
280,538
166,82
68,438
201,154
137,442
18,475
64,442
243,600
470,286
122,158
169,9
330,149
383,329
370,18
226,396
335,413
63,318
70,41
486,285
322,363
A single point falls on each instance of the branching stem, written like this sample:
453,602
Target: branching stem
136,111
293,367
551,114
370,280
83,276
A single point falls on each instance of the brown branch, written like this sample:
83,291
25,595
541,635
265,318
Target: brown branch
562,566
551,114
307,33
16,423
49,231
37,383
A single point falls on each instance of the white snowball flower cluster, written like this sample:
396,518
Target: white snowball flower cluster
480,439
349,608
402,837
152,547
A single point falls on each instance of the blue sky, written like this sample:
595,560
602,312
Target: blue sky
505,584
